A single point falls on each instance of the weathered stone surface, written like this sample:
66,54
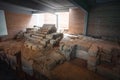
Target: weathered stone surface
48,28
53,42
93,61
45,63
83,45
106,57
82,54
93,51
41,35
54,35
30,30
57,56
61,46
12,60
27,66
69,51
37,37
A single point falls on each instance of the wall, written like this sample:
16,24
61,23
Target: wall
49,18
16,22
76,21
3,28
104,21
63,20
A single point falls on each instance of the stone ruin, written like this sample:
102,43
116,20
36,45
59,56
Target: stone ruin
44,48
101,56
38,52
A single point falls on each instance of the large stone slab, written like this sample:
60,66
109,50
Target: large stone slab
82,54
93,61
93,51
69,51
83,45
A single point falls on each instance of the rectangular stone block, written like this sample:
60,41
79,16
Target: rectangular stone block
93,51
93,61
82,54
83,45
37,37
106,57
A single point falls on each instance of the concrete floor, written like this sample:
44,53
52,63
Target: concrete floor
71,71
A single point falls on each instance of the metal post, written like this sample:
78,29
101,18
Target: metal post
86,23
57,21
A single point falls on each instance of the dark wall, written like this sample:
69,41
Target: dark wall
104,21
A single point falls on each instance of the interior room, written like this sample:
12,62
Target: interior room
59,39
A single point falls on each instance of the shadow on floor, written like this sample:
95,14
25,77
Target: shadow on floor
6,73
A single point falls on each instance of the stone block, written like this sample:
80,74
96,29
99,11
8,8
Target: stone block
35,47
106,58
54,36
57,57
82,54
43,42
13,61
93,51
53,42
69,51
50,63
61,47
93,61
83,45
27,66
37,37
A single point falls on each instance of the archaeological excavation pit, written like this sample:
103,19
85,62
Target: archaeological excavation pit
59,40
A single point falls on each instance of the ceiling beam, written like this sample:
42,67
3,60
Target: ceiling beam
81,4
14,8
43,3
30,4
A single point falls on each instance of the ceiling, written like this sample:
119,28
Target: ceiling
53,5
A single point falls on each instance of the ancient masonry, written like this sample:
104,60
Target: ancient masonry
43,49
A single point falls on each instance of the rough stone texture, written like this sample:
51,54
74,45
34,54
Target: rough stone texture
27,66
83,45
45,59
92,61
82,54
69,51
44,64
100,53
93,51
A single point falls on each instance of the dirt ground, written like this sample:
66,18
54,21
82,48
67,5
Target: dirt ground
71,71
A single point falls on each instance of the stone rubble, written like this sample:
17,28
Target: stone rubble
43,49
97,53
